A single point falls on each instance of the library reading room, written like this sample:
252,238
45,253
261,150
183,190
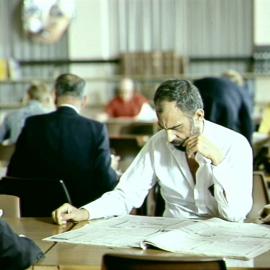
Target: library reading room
135,135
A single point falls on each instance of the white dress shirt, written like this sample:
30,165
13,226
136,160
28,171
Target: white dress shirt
159,161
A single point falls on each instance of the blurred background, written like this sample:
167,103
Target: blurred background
148,40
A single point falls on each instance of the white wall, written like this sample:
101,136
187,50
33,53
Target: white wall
89,30
261,22
88,39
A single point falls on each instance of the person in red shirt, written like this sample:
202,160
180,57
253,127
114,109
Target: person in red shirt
129,104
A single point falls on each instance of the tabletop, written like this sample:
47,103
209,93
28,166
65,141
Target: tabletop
79,257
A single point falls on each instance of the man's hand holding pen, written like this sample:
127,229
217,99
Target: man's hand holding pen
67,212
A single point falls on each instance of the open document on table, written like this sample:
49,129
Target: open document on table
213,237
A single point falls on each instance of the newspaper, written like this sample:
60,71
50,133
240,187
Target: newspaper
213,237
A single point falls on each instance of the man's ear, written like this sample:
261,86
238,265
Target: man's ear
52,98
199,115
85,101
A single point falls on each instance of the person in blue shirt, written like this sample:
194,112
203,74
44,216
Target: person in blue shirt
39,100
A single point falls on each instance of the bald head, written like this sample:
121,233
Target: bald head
126,89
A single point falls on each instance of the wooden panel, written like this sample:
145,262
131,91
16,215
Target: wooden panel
128,127
260,196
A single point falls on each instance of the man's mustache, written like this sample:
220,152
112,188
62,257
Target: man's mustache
179,144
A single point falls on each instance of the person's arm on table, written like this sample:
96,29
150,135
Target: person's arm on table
108,180
68,212
130,192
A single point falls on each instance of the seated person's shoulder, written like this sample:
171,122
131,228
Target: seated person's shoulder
17,252
140,98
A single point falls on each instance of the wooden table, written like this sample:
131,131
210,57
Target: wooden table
90,257
81,257
37,229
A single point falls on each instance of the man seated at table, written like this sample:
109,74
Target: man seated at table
226,104
201,167
128,104
16,252
65,145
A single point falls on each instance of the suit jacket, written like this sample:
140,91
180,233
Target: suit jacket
67,146
16,252
226,104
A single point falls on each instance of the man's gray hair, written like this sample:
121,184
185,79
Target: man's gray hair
183,92
69,85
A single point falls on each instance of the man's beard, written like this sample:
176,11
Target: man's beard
179,145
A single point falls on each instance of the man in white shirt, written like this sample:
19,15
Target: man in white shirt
204,170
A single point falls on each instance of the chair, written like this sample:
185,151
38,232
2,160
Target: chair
260,195
10,205
112,261
38,196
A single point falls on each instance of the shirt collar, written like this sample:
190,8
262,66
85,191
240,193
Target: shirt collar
70,106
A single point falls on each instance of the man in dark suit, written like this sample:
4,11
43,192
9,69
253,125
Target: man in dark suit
16,252
226,104
67,146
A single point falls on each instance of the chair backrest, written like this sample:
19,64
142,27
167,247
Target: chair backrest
260,195
38,196
112,261
10,205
